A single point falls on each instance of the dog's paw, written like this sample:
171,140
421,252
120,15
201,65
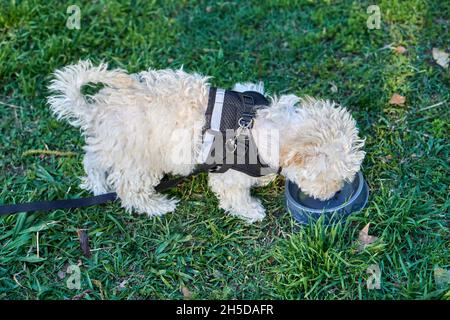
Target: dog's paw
256,213
252,212
155,205
158,207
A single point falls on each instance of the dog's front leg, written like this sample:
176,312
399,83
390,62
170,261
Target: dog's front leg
232,188
136,191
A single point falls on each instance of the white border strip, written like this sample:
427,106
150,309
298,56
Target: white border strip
217,110
216,118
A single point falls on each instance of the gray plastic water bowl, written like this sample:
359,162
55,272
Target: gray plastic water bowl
351,198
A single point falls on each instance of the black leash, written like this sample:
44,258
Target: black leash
164,185
57,204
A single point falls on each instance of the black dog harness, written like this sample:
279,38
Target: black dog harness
227,139
227,144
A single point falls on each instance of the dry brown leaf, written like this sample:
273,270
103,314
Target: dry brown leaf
123,284
399,49
364,238
441,57
397,99
186,293
84,242
61,274
387,158
98,284
81,295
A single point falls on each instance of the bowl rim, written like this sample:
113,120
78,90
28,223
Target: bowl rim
332,209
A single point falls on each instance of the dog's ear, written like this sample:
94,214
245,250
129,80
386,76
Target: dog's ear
299,153
317,158
291,158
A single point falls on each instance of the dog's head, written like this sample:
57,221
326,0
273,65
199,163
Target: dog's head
320,150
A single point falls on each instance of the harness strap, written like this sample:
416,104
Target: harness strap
235,111
213,117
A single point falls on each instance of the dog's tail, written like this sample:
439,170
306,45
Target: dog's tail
68,102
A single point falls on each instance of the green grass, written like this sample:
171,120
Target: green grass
298,47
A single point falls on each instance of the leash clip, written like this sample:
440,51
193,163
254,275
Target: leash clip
244,128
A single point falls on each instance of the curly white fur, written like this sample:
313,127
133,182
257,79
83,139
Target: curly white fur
132,128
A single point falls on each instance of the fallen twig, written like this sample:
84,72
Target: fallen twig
433,106
81,295
10,105
48,153
84,242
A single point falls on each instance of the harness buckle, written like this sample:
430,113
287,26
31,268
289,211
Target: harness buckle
248,100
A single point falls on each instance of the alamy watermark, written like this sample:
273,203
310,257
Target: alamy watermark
73,21
74,279
374,20
241,146
441,277
374,280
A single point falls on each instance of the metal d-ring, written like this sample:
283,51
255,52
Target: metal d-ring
243,124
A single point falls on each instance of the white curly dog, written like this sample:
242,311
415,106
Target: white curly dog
130,127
